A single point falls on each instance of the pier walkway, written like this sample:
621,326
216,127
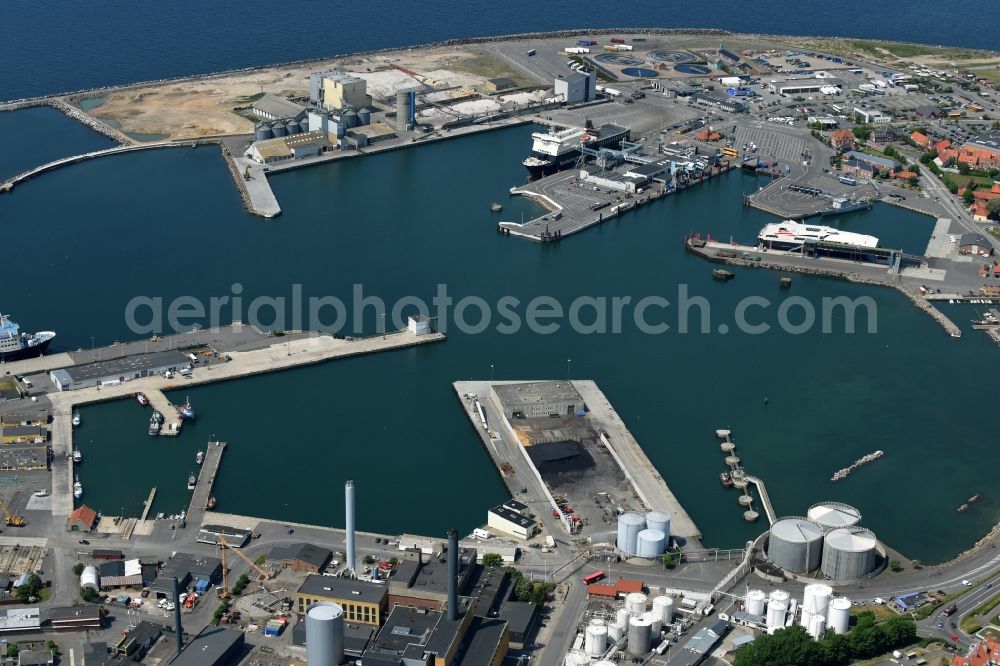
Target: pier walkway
147,505
261,199
172,421
764,498
647,480
206,481
277,356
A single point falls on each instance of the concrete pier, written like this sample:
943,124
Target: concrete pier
148,505
206,481
637,467
259,198
764,498
172,421
278,356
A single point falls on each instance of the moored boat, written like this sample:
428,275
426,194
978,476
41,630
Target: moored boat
192,481
141,398
211,503
722,274
199,457
77,456
15,345
76,418
727,480
77,489
187,411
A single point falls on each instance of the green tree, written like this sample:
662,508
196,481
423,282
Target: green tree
522,589
11,650
917,564
78,569
52,645
492,560
89,594
895,565
393,561
369,559
668,561
241,584
31,588
993,206
834,649
968,197
861,132
889,151
964,168
786,647
913,180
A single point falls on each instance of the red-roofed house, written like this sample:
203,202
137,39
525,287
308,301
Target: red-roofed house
979,157
843,140
921,140
984,653
943,144
946,157
904,175
621,587
82,520
986,195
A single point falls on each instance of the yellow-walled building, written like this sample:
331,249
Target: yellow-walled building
363,602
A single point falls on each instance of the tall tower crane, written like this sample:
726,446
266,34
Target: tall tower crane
223,547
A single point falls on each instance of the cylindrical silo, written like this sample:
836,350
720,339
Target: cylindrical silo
304,124
658,520
292,127
88,578
615,632
278,129
596,641
849,553
621,616
838,615
655,623
577,658
324,634
755,602
364,116
833,515
349,118
777,606
816,599
635,602
262,132
650,543
664,607
402,109
629,526
817,626
795,544
639,629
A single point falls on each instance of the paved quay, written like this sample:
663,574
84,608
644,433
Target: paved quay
206,481
636,464
172,422
283,355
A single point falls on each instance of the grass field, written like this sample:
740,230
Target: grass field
489,66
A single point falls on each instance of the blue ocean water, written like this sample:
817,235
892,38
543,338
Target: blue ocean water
64,45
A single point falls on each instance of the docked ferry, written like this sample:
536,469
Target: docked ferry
555,151
15,345
792,235
841,205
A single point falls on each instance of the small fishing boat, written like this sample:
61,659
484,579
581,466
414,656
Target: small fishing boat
77,456
727,480
495,207
187,411
76,418
141,398
192,481
722,274
199,457
785,282
77,489
211,503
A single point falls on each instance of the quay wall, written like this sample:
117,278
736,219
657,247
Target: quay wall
923,304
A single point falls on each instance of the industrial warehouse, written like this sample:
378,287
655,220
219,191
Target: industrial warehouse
114,371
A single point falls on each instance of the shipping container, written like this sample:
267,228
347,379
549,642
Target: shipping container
617,40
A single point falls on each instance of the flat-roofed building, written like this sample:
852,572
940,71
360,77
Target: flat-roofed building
522,620
576,87
20,620
35,658
27,418
23,434
417,634
75,618
511,522
338,90
212,646
485,644
303,557
362,601
137,641
531,399
14,457
235,537
425,584
117,370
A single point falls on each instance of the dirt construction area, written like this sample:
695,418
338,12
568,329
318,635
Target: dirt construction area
207,106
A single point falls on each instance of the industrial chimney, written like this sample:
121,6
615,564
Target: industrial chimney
178,629
349,524
452,575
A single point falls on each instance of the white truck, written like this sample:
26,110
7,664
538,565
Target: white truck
481,533
549,541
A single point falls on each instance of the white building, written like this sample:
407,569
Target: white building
505,519
576,87
872,117
418,325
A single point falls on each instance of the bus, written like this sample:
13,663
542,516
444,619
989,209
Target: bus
593,578
848,181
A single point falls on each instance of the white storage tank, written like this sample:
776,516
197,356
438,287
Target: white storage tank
596,642
833,515
658,520
655,623
849,553
795,544
755,602
621,616
639,629
615,632
650,543
89,579
577,658
324,633
777,606
816,599
664,607
635,603
838,615
629,526
817,626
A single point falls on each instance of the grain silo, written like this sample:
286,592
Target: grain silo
278,129
650,543
639,632
629,526
838,615
833,515
364,116
849,553
262,132
795,544
324,634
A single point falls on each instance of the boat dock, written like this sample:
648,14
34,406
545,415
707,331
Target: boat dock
172,421
741,480
147,505
206,482
251,180
273,358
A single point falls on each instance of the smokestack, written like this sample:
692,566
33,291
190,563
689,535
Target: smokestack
452,575
349,523
178,629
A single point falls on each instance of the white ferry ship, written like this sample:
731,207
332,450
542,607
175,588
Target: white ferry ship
792,235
